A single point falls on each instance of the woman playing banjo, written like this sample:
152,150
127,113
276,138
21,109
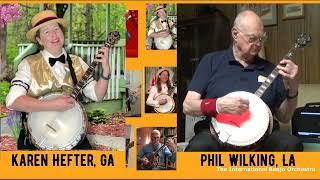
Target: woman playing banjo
163,86
48,71
162,30
240,69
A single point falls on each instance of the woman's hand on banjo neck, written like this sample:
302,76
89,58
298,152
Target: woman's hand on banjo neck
102,85
103,58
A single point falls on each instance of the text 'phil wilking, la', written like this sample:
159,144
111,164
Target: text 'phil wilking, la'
246,160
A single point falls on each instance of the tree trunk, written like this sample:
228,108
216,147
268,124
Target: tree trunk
3,45
88,15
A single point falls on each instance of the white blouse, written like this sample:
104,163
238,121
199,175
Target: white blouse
58,69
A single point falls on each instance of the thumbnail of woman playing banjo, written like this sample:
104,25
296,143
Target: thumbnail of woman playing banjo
161,94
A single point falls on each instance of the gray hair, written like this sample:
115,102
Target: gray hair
155,131
241,17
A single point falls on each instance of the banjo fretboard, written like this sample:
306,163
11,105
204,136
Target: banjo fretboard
301,42
112,38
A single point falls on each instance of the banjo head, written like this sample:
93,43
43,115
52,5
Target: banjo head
51,130
254,125
163,43
166,108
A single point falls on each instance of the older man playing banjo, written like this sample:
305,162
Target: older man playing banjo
240,69
48,71
153,156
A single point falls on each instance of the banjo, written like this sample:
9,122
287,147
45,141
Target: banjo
153,159
51,130
251,127
164,43
170,105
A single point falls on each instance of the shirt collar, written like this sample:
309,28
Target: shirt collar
46,54
257,63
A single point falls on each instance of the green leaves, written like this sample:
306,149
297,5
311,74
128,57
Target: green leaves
4,89
97,116
98,21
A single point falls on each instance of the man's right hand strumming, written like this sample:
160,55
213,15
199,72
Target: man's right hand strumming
145,161
232,105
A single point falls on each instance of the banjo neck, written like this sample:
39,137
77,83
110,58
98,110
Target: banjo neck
264,86
301,42
79,86
112,38
171,90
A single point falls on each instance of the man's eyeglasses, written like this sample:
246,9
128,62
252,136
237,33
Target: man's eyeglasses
252,39
155,137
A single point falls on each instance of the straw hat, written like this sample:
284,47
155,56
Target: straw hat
42,19
159,8
171,73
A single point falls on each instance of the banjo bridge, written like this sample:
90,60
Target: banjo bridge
51,127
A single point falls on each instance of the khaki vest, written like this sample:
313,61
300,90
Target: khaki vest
43,80
160,27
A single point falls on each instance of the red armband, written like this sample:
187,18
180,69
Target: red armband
208,107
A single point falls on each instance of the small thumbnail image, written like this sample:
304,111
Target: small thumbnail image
133,93
132,37
160,89
129,146
161,26
156,148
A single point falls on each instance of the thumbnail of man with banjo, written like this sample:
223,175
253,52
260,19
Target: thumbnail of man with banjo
222,90
157,156
46,86
162,30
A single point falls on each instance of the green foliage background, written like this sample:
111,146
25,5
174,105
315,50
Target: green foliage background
16,31
98,26
4,89
171,10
